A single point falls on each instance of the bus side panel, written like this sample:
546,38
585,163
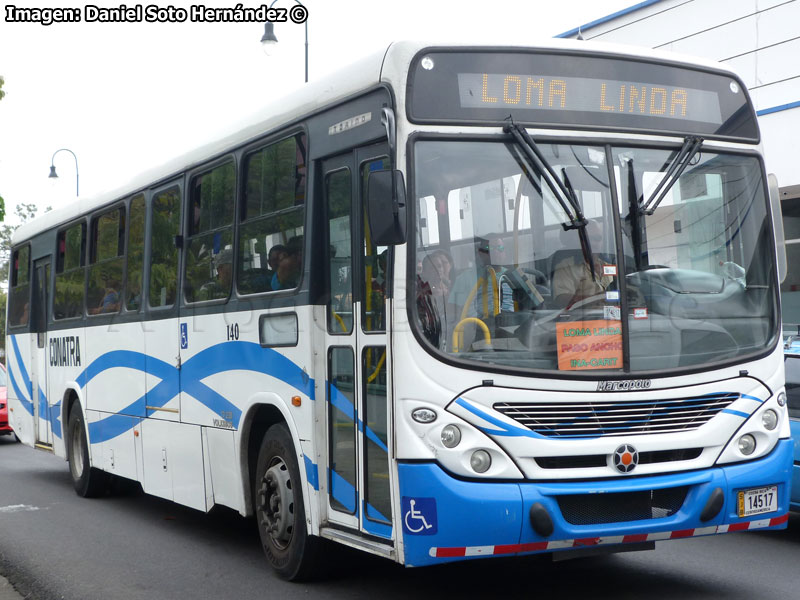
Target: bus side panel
115,395
115,381
224,365
20,388
66,370
114,443
226,485
173,462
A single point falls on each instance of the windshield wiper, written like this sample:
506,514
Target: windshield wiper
691,146
565,196
564,193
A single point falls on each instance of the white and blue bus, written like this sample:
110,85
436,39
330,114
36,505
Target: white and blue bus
453,302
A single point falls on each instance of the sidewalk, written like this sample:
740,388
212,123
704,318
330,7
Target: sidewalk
7,592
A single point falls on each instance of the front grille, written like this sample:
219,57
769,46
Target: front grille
596,419
600,460
593,509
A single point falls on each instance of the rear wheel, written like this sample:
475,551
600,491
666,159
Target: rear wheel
280,511
88,481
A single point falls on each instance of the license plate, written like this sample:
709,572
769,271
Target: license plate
758,501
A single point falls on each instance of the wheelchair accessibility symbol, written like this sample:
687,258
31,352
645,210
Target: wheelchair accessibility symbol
419,515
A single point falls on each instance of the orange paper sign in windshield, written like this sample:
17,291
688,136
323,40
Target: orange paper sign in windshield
589,345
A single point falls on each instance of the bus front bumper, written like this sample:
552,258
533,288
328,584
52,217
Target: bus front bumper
446,519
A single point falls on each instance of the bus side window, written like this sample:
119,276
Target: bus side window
209,248
164,255
105,262
135,271
271,232
19,294
70,272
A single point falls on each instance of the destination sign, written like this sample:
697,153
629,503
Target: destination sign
578,90
585,94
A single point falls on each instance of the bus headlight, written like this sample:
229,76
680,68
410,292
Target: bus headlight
480,461
451,436
769,419
747,444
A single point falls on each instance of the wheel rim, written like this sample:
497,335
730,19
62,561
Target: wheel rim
76,460
276,504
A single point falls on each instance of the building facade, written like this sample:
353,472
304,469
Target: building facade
760,39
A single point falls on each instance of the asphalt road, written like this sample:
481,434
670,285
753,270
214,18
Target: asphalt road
54,544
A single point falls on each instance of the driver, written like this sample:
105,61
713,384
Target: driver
572,278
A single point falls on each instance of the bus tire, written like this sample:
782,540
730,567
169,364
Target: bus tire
88,481
280,511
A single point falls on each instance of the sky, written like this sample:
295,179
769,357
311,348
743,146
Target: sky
125,97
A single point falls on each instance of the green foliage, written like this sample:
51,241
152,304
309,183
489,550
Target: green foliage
25,212
164,255
2,81
135,254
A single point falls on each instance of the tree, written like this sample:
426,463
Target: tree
25,212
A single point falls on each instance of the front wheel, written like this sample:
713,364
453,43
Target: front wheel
88,481
280,511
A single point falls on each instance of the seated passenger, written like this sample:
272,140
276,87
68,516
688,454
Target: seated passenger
290,266
221,286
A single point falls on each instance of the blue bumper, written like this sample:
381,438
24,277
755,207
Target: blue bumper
447,519
795,425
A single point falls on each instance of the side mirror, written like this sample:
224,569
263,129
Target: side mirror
386,207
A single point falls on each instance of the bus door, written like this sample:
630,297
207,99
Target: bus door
356,359
39,358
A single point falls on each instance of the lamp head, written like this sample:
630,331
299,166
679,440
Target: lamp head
268,40
53,173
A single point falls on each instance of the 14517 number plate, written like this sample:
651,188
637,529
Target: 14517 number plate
758,500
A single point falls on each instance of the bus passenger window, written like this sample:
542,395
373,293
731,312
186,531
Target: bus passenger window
135,272
68,298
19,294
105,262
271,233
209,249
164,255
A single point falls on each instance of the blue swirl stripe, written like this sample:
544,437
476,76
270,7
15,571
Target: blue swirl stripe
26,404
505,429
23,399
224,357
22,370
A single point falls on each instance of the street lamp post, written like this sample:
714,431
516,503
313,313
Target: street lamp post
53,173
269,39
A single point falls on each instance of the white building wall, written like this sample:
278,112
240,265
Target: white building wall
759,39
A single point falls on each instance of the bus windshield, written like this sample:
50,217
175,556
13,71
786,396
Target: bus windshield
662,268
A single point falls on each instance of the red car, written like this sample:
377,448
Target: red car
5,428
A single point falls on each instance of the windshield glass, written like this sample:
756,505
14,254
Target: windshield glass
503,275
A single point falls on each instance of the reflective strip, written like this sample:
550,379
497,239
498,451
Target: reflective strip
600,541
